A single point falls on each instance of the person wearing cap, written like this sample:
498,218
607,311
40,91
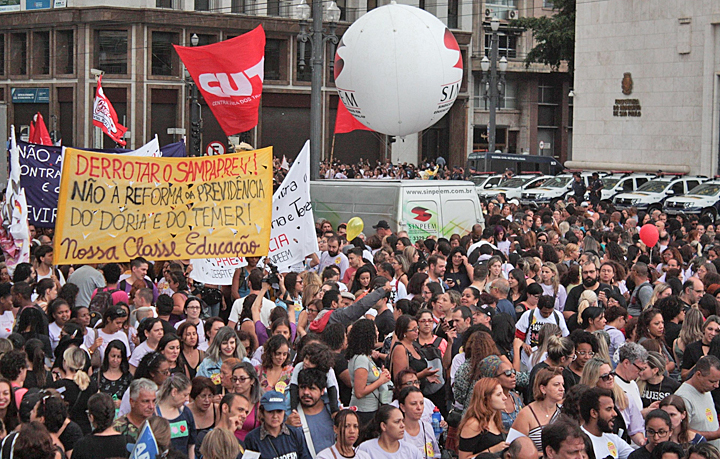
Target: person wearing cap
382,229
578,187
7,318
596,186
274,439
346,299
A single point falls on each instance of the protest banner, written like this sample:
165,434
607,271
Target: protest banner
293,228
40,175
116,208
14,230
146,446
216,271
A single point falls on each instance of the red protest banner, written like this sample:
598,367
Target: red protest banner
105,118
230,76
345,122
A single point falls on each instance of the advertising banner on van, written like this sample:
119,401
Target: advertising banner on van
115,207
439,211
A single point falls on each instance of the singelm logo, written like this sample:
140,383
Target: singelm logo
421,213
218,84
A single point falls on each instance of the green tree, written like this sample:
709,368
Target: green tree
554,36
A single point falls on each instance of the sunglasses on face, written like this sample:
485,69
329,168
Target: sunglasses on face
508,373
606,376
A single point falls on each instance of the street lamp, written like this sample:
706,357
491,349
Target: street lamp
492,86
195,108
317,38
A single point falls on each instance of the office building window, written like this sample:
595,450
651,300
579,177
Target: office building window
274,52
41,53
65,52
506,102
507,45
2,54
111,51
237,6
202,5
18,54
164,58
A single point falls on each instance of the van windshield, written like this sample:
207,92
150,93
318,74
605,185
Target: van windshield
655,186
610,183
515,182
557,182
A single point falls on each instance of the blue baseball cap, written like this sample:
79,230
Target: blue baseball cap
273,400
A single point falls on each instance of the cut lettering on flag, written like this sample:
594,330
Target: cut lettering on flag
292,236
230,77
345,122
38,131
14,232
105,118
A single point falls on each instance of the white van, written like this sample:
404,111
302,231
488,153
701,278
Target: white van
423,208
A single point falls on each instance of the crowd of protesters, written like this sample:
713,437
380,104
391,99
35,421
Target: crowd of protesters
546,332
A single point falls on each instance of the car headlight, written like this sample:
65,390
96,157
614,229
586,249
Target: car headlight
634,201
689,205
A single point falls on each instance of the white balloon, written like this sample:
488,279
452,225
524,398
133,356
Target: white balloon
398,69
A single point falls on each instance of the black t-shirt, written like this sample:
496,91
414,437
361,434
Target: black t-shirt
341,364
657,392
71,436
96,447
570,378
77,401
460,279
672,331
693,353
640,453
573,297
385,323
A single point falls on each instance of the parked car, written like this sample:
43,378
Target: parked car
652,195
618,182
702,200
485,180
552,190
513,187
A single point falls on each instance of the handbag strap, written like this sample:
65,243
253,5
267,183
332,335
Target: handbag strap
306,431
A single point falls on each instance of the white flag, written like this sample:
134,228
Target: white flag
292,236
14,233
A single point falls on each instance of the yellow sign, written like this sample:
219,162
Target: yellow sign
114,208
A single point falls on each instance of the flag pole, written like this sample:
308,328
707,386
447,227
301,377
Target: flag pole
332,149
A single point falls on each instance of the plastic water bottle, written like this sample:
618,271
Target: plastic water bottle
436,423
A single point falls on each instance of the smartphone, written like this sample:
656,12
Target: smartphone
451,323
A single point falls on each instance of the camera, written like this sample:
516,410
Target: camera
274,277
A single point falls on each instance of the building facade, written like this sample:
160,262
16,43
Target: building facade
646,86
535,110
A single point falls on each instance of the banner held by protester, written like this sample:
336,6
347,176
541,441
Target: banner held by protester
216,271
293,227
116,208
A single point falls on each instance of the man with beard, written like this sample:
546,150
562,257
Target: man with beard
312,415
598,413
590,281
701,413
333,256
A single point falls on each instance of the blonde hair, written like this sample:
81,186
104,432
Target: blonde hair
220,444
555,281
591,376
656,361
603,347
692,327
587,299
657,291
74,360
546,331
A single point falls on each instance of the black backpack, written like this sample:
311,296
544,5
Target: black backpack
101,301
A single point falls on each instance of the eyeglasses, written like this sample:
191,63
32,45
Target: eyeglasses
193,308
425,321
312,311
659,433
240,379
508,373
411,383
607,376
639,367
584,353
413,329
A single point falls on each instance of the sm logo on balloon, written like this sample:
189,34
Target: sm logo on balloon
348,98
450,92
220,84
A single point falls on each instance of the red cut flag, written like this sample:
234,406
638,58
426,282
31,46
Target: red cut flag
38,131
345,122
230,77
105,118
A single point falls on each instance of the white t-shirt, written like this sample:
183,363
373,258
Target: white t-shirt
609,445
339,260
140,351
61,278
333,453
405,451
424,441
428,408
265,310
632,390
54,332
200,330
107,338
7,322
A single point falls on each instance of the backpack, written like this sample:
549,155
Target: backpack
101,301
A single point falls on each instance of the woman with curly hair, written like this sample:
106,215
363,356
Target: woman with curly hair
479,346
481,427
275,370
369,383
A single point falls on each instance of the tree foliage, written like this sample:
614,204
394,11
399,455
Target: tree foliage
554,36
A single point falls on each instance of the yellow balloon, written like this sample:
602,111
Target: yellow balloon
354,228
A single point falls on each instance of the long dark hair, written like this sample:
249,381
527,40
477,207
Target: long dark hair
120,346
31,317
149,365
373,429
34,348
270,347
12,416
461,251
102,408
368,268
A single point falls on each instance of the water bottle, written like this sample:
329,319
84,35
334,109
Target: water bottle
436,423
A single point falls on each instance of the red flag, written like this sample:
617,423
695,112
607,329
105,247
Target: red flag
38,131
230,77
104,116
345,122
